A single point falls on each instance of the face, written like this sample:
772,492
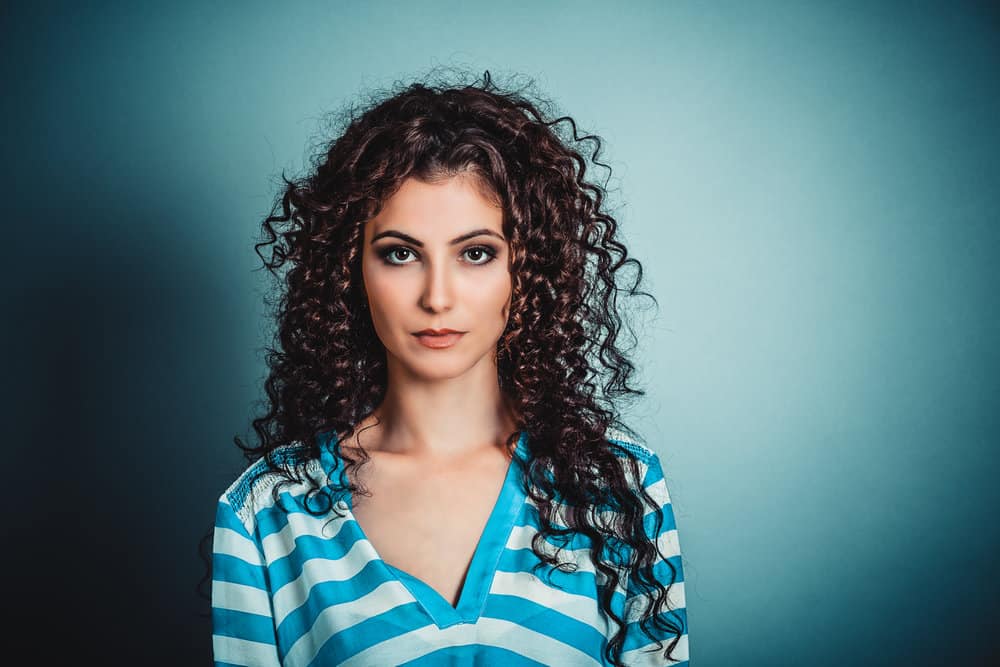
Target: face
435,258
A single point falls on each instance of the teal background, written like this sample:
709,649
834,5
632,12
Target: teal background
812,190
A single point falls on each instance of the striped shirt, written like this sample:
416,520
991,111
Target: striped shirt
291,588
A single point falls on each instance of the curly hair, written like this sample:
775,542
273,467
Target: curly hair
559,361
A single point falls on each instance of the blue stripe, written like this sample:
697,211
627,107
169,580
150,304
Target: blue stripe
668,521
654,472
237,571
242,625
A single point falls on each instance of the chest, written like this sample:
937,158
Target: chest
427,522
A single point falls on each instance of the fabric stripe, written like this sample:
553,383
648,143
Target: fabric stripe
237,597
232,543
243,625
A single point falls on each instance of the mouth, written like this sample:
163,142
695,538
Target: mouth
438,341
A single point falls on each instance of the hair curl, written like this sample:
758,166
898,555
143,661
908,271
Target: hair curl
329,369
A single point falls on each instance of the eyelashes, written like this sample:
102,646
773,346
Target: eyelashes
486,252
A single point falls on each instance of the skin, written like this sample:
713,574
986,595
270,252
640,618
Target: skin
442,406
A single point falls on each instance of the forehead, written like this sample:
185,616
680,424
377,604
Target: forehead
454,204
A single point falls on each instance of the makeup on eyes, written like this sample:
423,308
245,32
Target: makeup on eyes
489,251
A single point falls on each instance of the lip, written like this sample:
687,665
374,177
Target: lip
436,332
439,341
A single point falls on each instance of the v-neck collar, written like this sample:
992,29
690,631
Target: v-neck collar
485,558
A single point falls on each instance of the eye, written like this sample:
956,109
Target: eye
481,251
395,251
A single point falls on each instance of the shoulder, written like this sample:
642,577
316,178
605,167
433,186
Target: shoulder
649,467
629,447
252,491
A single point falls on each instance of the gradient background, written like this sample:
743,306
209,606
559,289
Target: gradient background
813,192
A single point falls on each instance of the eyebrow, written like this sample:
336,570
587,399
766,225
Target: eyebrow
420,244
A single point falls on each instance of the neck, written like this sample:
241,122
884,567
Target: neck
445,419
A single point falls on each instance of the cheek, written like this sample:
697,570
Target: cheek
382,293
493,294
384,298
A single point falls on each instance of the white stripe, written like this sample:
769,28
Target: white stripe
237,597
639,658
243,652
338,617
231,543
668,545
659,491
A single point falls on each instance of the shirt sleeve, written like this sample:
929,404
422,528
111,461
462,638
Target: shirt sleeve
243,631
639,648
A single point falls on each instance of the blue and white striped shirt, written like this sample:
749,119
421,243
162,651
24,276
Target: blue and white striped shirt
290,588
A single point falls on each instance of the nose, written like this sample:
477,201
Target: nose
437,295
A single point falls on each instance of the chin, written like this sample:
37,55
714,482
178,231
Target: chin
440,370
444,364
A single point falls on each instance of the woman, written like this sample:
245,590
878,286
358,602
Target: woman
437,482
